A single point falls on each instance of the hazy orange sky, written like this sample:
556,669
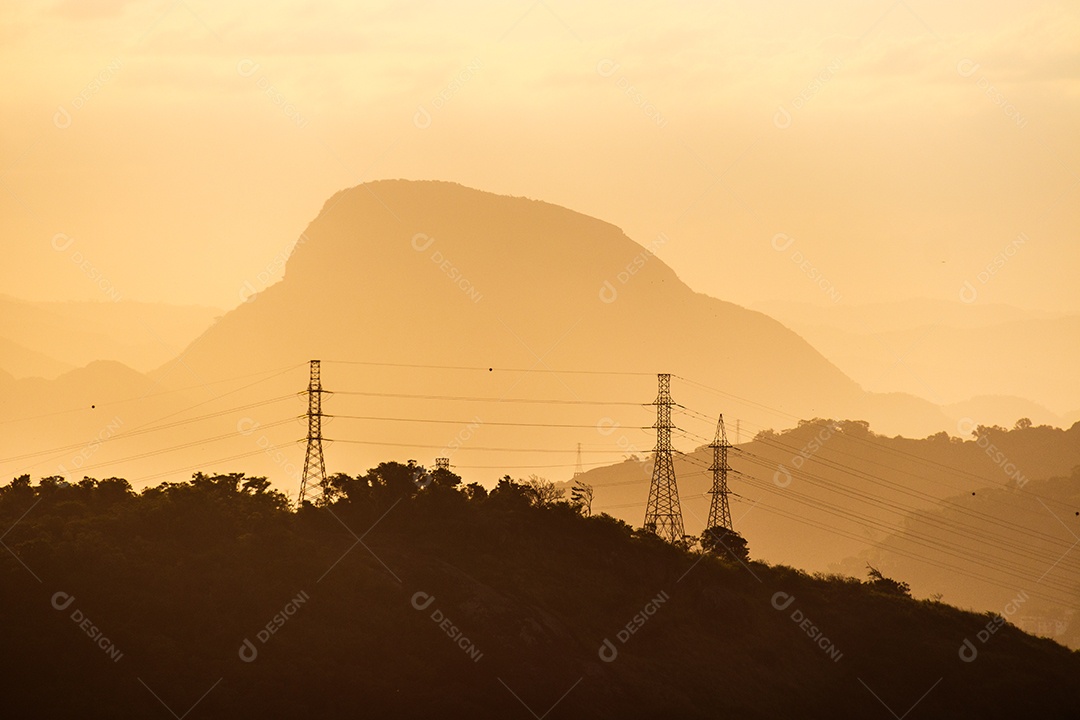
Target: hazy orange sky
172,151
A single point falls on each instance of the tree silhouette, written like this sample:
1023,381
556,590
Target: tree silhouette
725,543
886,585
581,497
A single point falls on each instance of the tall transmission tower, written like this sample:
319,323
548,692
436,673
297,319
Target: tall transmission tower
311,485
663,514
719,512
442,463
579,470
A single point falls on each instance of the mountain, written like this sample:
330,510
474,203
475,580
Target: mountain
46,339
19,361
211,598
400,273
950,353
499,332
1022,540
831,496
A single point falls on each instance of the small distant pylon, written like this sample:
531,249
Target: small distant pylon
719,512
442,464
579,470
314,478
663,514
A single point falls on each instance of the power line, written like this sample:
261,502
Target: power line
174,448
867,522
469,448
481,368
899,531
277,371
467,398
877,445
144,430
467,422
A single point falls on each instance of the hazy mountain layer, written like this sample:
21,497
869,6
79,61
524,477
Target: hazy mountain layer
45,339
831,496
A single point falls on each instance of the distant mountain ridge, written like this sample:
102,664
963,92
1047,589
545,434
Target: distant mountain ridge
47,339
831,495
463,276
393,277
994,360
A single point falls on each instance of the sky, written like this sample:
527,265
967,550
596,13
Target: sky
828,152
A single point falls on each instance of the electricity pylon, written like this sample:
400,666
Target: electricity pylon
663,514
314,479
719,512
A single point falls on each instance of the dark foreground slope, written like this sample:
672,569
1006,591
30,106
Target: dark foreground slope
454,603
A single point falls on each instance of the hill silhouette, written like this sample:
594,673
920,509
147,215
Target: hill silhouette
832,495
409,289
479,279
1041,527
413,599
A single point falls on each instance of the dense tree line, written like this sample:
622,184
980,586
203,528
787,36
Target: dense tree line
406,593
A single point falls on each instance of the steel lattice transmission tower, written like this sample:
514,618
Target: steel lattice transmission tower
663,514
719,512
578,470
314,479
442,463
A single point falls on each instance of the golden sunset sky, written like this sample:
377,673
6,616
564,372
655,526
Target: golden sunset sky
889,150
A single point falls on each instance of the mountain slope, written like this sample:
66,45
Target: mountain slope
830,496
435,273
19,361
460,607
